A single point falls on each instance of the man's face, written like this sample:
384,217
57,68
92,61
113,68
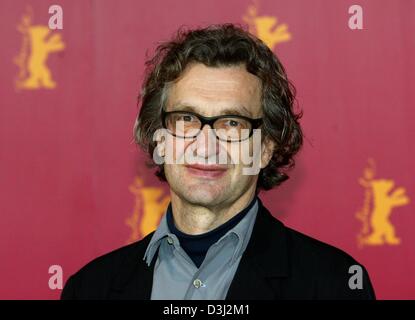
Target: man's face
212,92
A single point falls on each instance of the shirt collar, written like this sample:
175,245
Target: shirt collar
161,232
242,231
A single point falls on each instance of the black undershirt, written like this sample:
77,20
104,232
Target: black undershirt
196,246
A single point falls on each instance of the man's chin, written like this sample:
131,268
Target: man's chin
204,195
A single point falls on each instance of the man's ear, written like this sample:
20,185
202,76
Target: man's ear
160,138
267,150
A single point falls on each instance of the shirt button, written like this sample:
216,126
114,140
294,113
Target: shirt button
197,283
169,240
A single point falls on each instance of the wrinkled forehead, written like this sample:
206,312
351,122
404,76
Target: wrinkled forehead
214,91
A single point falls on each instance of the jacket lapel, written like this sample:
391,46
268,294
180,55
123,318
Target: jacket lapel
264,262
135,279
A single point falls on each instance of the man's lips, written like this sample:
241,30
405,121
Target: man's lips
207,170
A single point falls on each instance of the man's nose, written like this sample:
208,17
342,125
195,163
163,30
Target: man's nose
207,145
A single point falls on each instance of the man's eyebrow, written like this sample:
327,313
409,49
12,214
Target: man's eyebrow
184,107
227,111
237,111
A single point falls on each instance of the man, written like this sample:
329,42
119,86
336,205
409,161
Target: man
208,96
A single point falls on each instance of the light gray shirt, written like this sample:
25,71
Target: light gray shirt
176,277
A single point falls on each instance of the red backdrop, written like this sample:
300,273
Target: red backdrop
73,185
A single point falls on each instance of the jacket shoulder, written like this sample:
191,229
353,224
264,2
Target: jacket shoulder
304,267
94,280
330,272
314,251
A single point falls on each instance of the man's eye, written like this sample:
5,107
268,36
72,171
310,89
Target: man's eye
233,123
186,118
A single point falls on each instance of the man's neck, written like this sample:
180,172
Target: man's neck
196,219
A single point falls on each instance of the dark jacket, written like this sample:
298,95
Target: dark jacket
279,263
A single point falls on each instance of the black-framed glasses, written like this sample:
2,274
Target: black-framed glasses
231,128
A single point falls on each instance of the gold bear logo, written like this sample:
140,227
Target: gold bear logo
150,205
380,199
38,43
266,27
